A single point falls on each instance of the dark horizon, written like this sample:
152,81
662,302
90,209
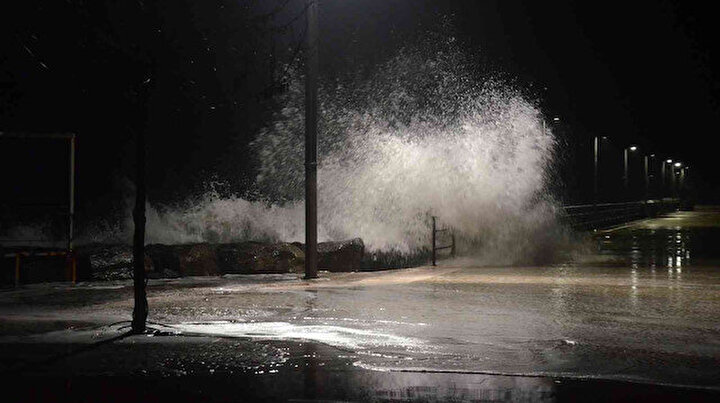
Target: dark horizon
638,73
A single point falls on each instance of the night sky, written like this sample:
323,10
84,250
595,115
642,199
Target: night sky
641,72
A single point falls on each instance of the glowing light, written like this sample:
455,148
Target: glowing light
678,164
633,148
669,161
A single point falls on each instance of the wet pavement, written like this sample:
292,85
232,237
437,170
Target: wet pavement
632,310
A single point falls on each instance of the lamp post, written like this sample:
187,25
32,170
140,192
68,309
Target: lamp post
664,181
677,178
311,106
626,153
652,176
626,174
646,167
596,150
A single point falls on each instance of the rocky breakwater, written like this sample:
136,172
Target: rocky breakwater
114,262
341,256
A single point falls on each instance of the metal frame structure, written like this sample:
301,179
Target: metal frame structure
69,252
436,248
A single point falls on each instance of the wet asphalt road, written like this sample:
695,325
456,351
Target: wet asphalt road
637,304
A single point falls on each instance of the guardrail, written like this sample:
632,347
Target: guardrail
435,247
583,216
19,255
593,216
67,210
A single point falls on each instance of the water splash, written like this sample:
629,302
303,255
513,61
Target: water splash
423,135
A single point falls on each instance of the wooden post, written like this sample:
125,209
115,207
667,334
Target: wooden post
17,270
433,241
71,215
452,250
74,268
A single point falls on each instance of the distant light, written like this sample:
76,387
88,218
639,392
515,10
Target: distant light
678,164
669,161
633,148
652,155
556,119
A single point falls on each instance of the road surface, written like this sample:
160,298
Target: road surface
638,304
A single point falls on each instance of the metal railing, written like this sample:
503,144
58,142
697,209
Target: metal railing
68,209
435,247
594,216
71,261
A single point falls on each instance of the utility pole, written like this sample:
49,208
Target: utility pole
140,310
626,181
647,176
663,183
311,119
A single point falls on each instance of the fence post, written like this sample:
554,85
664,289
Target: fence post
433,241
71,212
73,262
452,238
17,270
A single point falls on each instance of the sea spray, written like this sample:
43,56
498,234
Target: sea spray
423,135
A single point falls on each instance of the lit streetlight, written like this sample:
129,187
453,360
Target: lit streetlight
666,163
626,152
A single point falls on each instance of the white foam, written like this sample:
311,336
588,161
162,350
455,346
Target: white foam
337,336
422,136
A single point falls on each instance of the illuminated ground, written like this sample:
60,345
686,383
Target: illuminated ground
643,306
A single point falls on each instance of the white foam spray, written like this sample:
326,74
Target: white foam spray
421,136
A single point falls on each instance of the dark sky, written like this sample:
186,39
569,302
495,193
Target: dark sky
638,71
625,69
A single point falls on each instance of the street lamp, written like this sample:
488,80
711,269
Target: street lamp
596,160
670,163
646,166
652,162
554,120
311,122
625,160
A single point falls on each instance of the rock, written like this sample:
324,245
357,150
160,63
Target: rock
259,258
198,260
107,262
342,256
183,260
